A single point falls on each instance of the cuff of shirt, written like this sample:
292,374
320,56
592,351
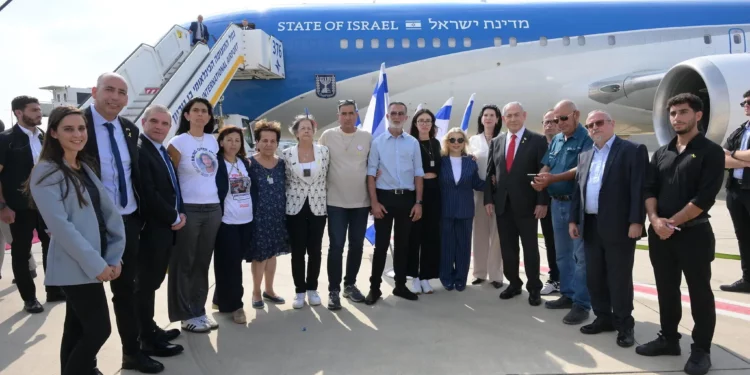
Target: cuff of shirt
702,204
178,220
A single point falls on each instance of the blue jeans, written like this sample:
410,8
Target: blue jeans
339,220
571,259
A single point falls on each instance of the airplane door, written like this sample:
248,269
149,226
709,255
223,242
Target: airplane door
737,41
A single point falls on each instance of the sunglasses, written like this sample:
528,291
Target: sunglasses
598,124
346,101
454,140
557,120
746,102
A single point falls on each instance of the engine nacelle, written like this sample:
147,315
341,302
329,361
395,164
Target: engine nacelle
719,80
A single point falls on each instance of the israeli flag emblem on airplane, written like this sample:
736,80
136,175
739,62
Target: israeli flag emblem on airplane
375,121
443,118
413,25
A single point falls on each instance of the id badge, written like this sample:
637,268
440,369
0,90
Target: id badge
432,163
270,180
306,172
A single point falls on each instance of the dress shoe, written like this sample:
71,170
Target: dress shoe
626,338
141,362
598,326
497,284
699,362
561,303
460,287
510,292
477,281
161,349
33,306
577,315
404,292
372,297
660,346
169,335
739,286
535,299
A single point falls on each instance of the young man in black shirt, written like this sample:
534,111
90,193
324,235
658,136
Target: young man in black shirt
683,179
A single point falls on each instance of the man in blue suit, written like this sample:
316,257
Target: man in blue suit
608,207
198,31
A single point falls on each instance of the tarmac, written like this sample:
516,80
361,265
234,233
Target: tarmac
470,332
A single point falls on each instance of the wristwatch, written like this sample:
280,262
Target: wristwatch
420,202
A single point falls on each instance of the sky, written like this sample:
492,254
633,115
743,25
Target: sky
71,42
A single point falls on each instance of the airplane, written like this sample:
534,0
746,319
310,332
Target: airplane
625,57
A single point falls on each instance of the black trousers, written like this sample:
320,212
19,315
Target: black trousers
22,231
511,227
87,327
549,243
306,236
424,240
691,251
123,288
609,276
399,208
232,243
738,204
152,269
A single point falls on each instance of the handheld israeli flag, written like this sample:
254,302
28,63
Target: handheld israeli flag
359,123
467,114
443,118
370,232
375,121
418,108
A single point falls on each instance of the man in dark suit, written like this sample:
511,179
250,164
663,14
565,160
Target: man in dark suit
513,156
244,25
163,214
20,147
608,207
198,31
113,146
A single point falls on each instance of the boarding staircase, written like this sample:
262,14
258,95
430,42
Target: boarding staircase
172,72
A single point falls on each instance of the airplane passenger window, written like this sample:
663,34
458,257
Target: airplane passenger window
707,39
566,41
513,41
452,42
611,40
498,41
375,43
737,38
389,43
344,43
436,42
360,43
467,42
581,40
543,41
405,43
420,42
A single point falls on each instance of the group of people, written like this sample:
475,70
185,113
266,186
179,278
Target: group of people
180,204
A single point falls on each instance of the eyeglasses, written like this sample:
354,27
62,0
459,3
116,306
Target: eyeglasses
746,102
454,140
598,124
398,113
549,122
424,121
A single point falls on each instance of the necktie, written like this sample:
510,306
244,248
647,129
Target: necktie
511,153
165,155
120,170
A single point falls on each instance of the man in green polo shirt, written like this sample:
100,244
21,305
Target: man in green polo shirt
558,177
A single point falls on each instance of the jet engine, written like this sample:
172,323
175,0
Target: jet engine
719,80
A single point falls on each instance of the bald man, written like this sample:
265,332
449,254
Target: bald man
113,145
608,213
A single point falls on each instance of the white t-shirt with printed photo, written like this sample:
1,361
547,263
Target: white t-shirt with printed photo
238,206
197,168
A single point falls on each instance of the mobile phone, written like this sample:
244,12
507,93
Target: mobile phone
531,176
670,226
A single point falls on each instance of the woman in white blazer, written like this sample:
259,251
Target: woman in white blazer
306,174
82,254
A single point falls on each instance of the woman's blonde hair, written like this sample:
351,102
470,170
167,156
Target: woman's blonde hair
453,131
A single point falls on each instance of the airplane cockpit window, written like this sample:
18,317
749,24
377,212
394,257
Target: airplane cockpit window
467,42
611,40
452,42
375,43
581,40
737,38
566,40
405,43
707,39
543,41
498,41
436,42
513,41
344,43
420,42
360,43
389,43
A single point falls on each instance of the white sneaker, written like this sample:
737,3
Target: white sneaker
426,287
416,287
299,301
195,325
313,298
550,287
210,322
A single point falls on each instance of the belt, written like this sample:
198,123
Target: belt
396,191
694,222
562,197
